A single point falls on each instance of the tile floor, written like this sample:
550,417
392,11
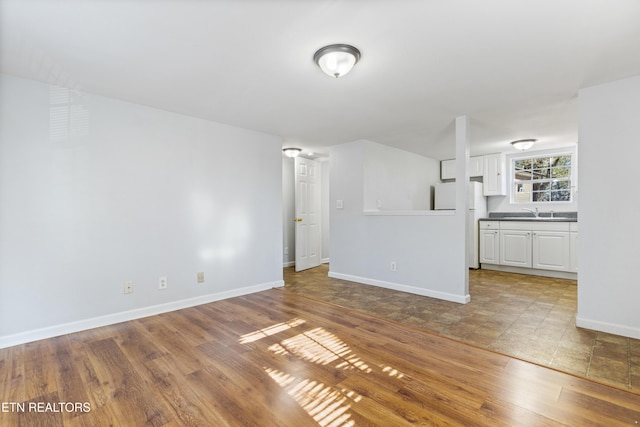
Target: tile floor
529,317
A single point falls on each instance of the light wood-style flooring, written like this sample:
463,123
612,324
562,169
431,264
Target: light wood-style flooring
276,358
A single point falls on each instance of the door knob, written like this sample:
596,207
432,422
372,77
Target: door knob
297,219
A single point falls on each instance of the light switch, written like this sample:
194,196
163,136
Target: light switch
339,204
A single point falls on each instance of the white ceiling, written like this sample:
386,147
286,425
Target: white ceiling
513,66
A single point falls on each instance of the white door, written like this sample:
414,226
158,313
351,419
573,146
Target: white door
307,194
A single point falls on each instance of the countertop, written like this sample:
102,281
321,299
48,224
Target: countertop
544,217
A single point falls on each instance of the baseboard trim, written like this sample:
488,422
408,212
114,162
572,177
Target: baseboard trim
610,328
293,263
461,299
531,271
125,316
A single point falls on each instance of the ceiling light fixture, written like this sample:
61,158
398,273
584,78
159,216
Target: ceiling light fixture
291,152
523,144
336,60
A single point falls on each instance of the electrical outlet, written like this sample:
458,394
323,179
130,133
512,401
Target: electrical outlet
286,251
201,277
162,282
393,266
128,287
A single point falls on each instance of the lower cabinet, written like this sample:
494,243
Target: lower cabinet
528,244
489,246
515,248
551,250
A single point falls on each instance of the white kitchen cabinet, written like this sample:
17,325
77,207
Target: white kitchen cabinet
494,176
476,166
515,248
489,247
448,168
489,242
551,250
545,245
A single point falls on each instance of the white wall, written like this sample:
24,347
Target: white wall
503,203
608,290
133,193
428,249
397,180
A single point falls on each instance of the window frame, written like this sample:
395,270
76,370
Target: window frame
572,187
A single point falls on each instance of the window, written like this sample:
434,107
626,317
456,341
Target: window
541,179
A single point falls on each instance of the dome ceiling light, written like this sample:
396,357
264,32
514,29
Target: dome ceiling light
336,60
291,152
523,144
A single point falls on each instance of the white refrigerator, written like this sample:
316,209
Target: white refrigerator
445,198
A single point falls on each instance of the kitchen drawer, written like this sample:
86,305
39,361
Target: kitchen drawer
489,225
534,225
515,225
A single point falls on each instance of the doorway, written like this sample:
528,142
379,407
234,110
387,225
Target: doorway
290,211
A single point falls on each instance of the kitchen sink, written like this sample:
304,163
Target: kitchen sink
531,218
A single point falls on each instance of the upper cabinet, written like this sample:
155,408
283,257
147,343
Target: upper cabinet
494,177
491,168
476,166
448,168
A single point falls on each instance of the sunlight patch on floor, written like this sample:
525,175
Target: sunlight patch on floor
271,330
392,372
322,347
327,405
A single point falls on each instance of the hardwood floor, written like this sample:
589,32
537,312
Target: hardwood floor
275,358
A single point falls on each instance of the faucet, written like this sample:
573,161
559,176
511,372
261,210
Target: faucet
534,212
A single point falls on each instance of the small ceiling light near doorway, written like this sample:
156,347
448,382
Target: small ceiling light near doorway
523,144
291,152
336,60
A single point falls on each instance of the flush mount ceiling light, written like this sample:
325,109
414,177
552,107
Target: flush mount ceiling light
523,144
291,152
336,60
